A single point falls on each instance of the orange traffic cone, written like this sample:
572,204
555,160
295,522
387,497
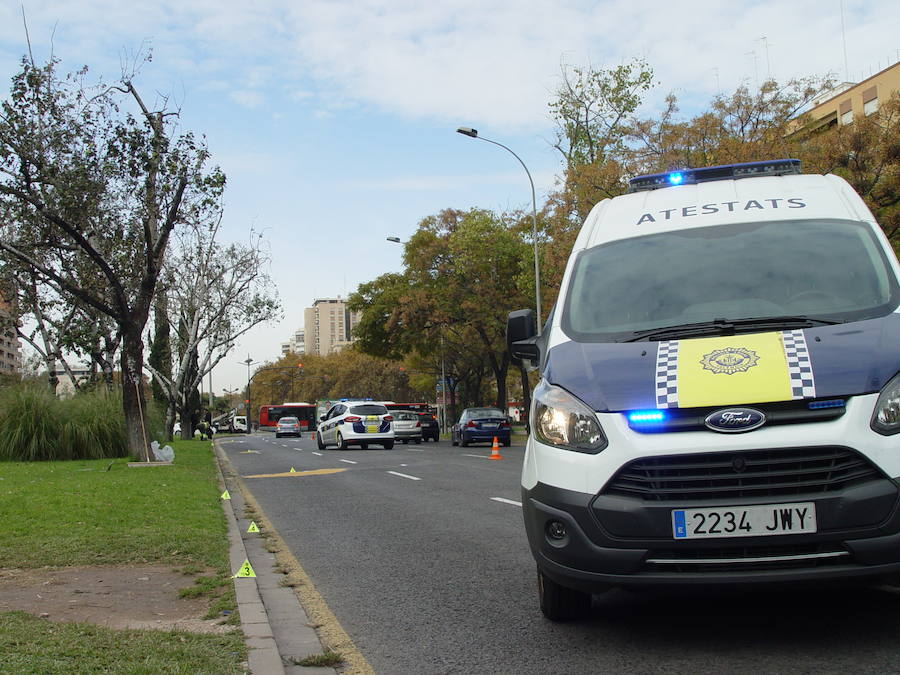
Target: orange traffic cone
495,450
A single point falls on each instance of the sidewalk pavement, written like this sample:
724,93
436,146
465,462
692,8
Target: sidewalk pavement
276,626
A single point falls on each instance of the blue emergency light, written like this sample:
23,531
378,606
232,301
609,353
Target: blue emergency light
823,405
773,167
646,417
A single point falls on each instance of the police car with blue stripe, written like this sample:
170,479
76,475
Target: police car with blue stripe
719,391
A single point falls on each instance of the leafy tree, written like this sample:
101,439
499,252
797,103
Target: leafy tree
744,126
464,273
102,189
593,111
867,154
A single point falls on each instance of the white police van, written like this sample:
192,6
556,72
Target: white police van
719,391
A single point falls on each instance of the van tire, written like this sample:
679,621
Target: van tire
389,445
559,603
341,443
319,442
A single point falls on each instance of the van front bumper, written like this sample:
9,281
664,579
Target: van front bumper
591,558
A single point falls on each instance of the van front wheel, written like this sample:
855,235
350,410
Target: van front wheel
559,603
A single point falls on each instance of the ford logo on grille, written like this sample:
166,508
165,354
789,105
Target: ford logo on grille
735,420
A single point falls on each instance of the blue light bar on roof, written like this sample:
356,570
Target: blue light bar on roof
773,167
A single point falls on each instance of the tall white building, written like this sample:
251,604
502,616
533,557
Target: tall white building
328,325
297,343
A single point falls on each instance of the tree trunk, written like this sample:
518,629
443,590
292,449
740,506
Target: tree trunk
52,379
133,403
170,419
186,414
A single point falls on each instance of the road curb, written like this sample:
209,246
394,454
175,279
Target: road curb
263,657
277,628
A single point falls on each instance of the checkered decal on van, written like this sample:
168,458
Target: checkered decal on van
667,374
803,384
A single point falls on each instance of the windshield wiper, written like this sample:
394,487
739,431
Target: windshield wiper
729,327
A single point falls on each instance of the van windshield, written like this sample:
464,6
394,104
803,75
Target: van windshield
822,269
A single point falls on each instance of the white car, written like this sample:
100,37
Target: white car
356,423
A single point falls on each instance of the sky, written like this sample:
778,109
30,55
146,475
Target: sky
334,120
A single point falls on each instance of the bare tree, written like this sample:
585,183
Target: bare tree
216,293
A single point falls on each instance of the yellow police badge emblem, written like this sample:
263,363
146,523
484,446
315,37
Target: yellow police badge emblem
730,360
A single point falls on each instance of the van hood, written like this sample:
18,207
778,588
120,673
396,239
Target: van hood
821,362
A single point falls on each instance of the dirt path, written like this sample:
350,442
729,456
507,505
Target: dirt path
139,596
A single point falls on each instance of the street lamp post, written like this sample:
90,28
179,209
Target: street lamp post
473,133
249,363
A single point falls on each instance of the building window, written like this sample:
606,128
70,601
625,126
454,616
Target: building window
870,107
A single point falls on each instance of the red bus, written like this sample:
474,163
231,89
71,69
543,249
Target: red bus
304,412
417,407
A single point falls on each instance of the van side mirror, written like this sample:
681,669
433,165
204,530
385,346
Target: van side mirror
520,336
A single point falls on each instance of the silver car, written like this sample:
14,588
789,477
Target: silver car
407,426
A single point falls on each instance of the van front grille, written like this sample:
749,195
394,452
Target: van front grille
749,473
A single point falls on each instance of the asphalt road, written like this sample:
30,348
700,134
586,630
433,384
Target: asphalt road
421,554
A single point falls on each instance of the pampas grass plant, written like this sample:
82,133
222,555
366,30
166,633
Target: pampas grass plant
35,425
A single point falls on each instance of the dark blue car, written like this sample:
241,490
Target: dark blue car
481,425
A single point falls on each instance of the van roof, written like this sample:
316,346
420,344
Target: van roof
766,198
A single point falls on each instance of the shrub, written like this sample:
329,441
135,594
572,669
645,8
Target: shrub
35,425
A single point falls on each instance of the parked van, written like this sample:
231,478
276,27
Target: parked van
719,391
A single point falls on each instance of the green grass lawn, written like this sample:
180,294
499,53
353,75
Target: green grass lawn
32,645
94,512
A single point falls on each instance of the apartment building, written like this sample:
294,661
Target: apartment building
848,100
10,349
66,387
297,343
328,326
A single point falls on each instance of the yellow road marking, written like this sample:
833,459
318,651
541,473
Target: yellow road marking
316,472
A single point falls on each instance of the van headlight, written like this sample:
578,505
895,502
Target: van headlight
561,420
886,418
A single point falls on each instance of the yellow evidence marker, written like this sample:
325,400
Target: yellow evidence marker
225,495
245,571
253,527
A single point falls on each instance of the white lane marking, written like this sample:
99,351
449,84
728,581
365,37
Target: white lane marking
348,461
506,501
318,454
476,456
403,465
403,475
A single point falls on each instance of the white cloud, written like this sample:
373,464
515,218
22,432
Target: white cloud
495,63
247,98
